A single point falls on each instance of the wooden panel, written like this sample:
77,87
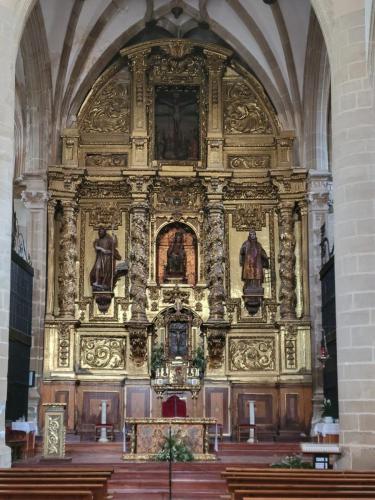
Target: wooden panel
291,415
263,408
91,407
137,402
217,405
60,392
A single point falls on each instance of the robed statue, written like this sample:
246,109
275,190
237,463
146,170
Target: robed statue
176,259
253,260
102,274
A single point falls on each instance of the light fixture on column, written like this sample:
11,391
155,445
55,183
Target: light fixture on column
323,355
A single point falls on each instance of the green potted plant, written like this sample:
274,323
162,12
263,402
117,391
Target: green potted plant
175,450
157,359
199,361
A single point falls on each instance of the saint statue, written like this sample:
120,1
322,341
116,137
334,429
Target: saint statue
176,259
253,260
103,272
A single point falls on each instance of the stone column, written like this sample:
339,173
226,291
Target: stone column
319,187
12,19
35,202
287,295
68,258
353,154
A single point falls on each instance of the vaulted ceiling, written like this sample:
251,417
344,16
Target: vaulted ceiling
68,43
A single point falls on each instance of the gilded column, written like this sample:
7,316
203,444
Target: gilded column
216,327
68,258
305,254
287,295
215,258
139,261
51,258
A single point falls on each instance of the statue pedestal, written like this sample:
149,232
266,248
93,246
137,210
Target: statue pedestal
253,297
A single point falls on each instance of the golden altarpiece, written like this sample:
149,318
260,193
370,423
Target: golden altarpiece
176,155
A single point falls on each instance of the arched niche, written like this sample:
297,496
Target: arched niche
178,330
176,249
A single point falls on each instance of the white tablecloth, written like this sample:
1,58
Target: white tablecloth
24,426
325,429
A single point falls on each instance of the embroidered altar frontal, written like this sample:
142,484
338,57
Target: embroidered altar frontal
148,436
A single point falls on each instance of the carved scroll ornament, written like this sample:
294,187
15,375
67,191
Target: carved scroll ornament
252,354
99,352
243,112
109,111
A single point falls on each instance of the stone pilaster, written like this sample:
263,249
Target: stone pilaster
138,133
287,294
215,138
68,258
36,202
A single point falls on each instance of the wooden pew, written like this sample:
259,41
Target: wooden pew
84,480
291,483
45,495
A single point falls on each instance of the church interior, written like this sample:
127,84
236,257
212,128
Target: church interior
188,248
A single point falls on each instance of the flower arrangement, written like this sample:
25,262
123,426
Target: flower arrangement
175,450
292,462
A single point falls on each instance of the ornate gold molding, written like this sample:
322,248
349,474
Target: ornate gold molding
252,354
98,352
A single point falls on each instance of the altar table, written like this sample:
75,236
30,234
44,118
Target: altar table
147,436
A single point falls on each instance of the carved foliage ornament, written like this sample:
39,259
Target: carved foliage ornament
105,215
138,344
290,347
109,111
243,112
250,191
246,216
139,263
215,346
105,190
64,345
252,354
106,160
178,193
99,352
249,162
54,434
167,69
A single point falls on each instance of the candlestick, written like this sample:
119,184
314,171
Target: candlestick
103,429
251,422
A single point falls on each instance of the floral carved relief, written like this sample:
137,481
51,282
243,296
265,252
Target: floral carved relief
99,352
252,354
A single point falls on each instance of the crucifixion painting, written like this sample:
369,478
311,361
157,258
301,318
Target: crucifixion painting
176,122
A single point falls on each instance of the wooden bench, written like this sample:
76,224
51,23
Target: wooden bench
84,483
291,483
45,495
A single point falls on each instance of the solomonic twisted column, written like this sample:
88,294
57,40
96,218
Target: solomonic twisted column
68,258
287,261
215,258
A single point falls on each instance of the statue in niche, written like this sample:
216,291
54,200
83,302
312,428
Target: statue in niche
175,270
253,260
176,123
102,275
